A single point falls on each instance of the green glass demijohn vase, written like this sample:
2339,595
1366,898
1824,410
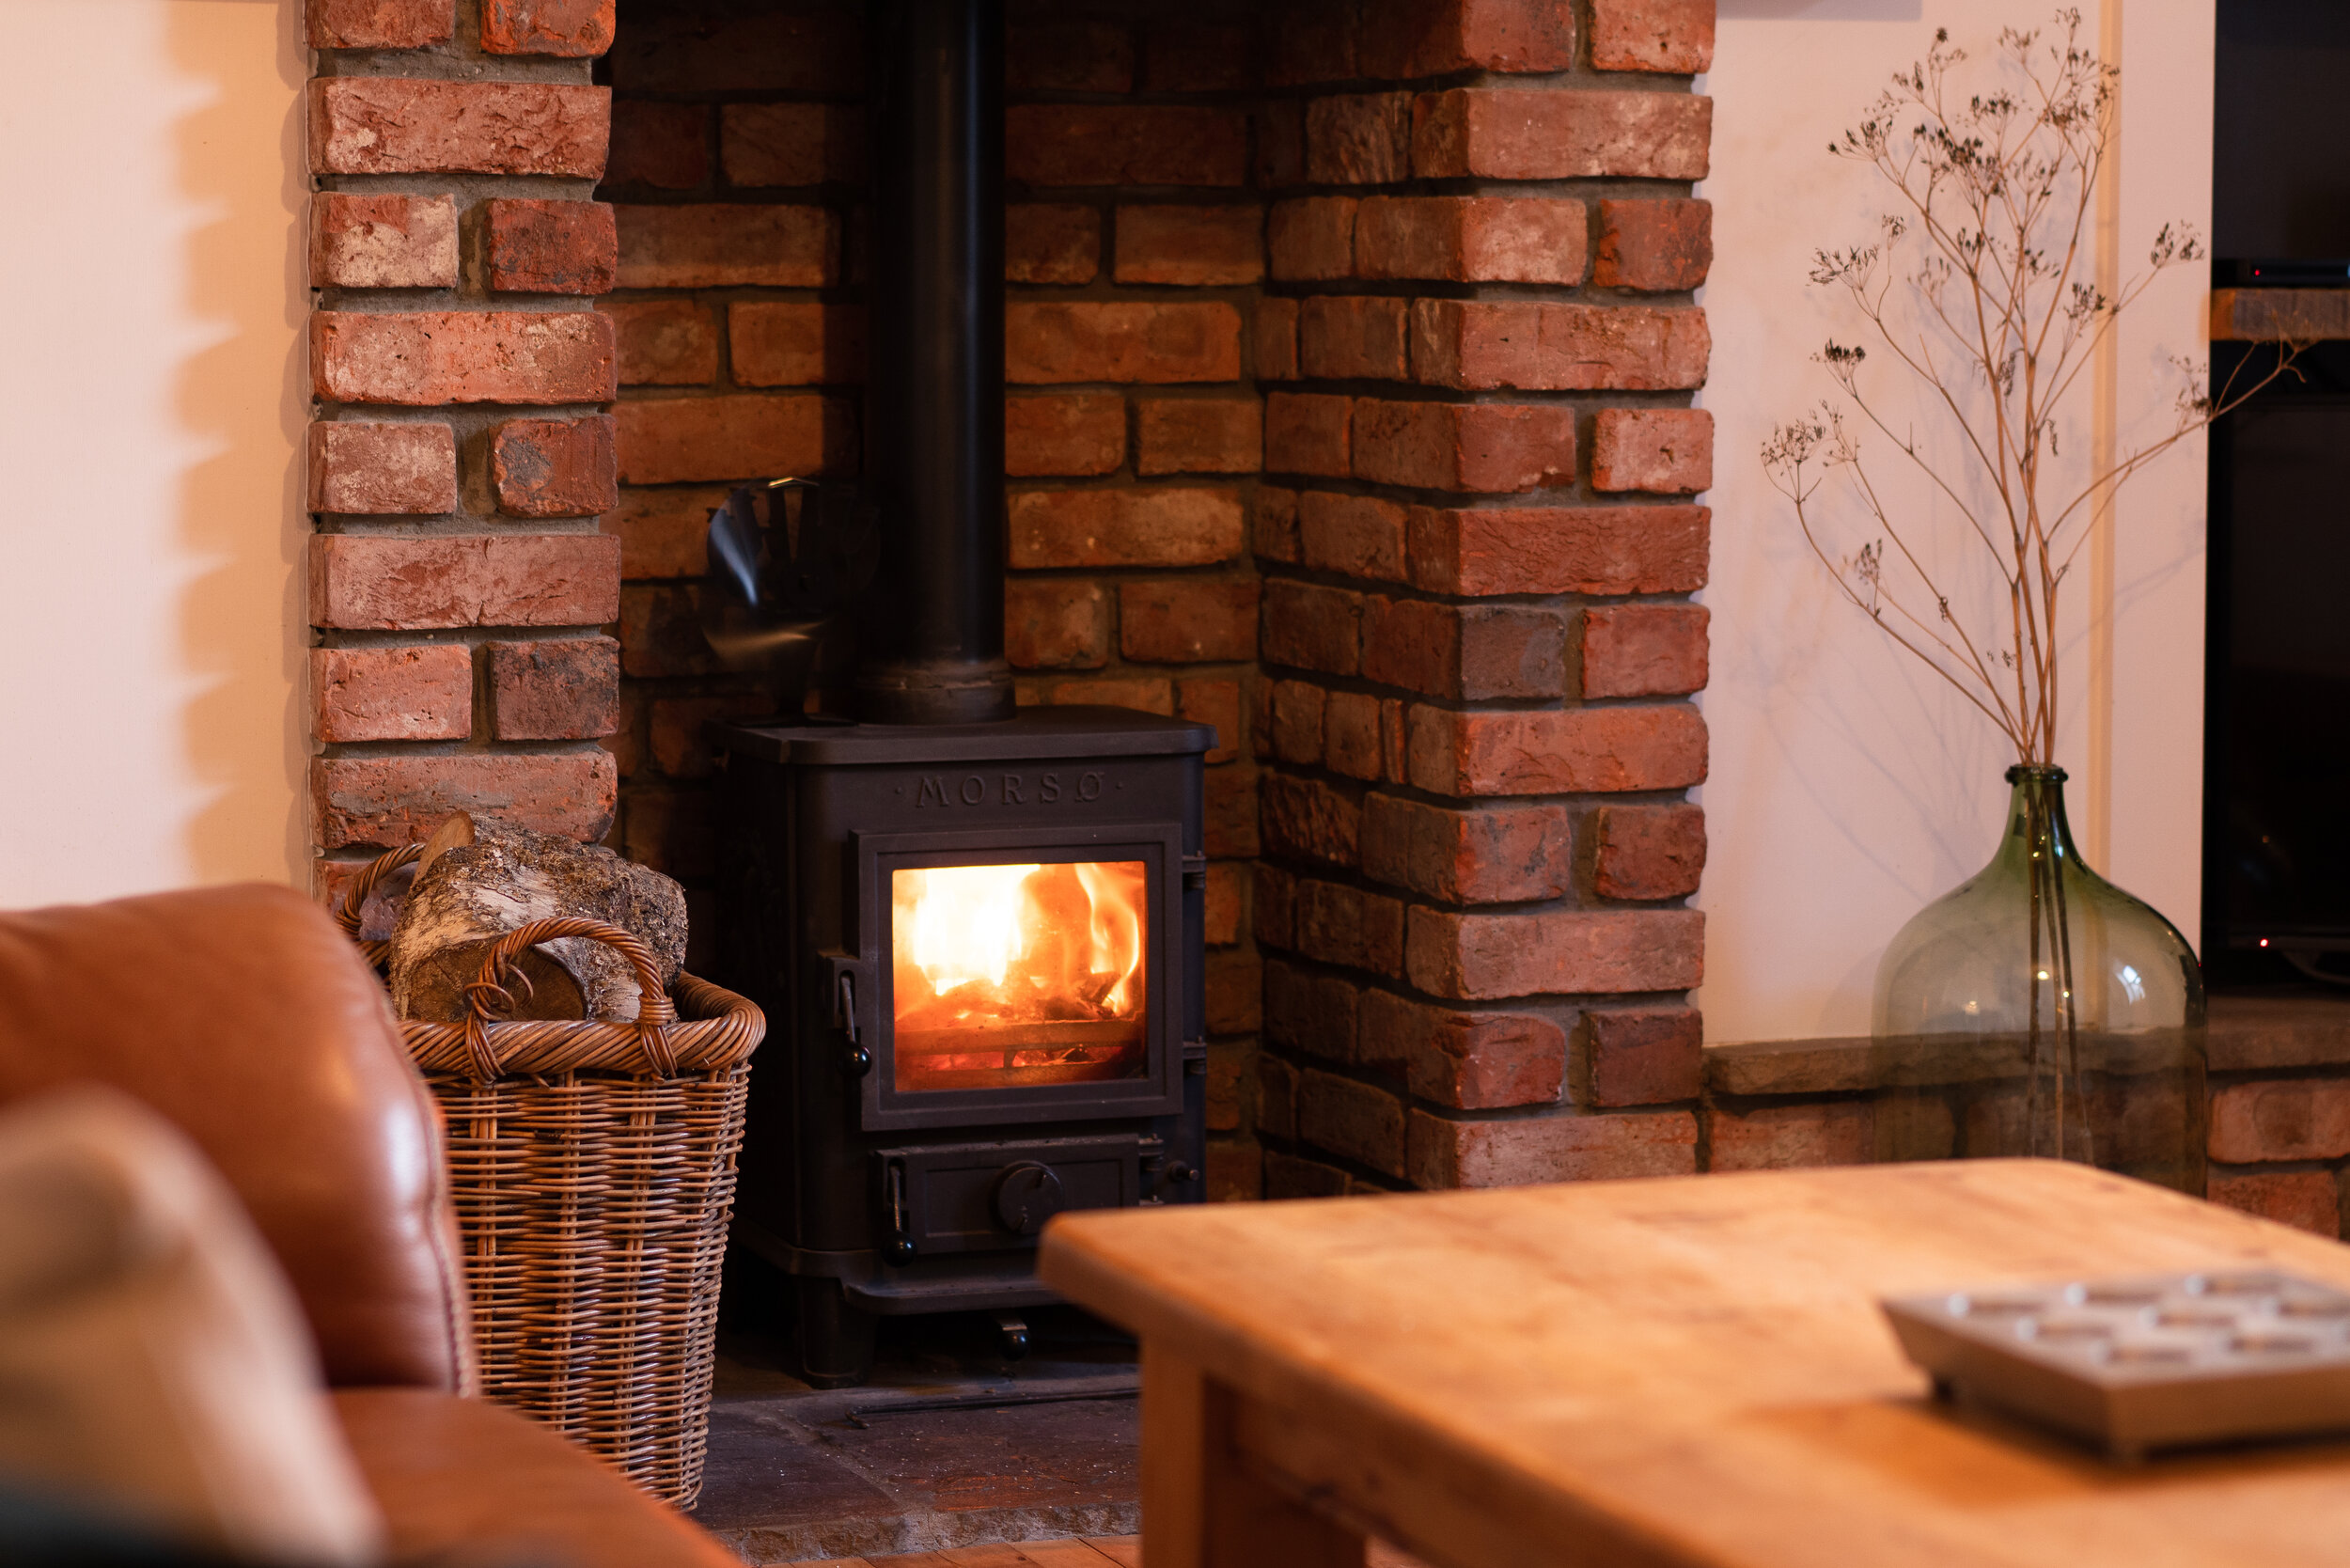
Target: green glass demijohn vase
2039,1010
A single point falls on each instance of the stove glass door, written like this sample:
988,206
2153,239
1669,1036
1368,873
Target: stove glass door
1019,976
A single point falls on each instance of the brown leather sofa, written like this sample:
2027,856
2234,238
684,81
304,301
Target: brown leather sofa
245,1016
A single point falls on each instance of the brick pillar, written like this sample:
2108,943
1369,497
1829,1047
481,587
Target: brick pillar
461,452
1478,545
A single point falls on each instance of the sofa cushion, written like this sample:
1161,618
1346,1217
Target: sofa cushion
152,1356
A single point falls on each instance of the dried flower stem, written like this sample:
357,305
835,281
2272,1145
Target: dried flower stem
1996,191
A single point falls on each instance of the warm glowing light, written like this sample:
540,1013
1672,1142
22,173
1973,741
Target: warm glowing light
1043,942
1116,930
1035,970
960,926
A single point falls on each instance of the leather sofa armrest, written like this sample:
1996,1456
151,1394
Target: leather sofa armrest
453,1472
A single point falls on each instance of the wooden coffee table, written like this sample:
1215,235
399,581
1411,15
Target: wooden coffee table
1689,1371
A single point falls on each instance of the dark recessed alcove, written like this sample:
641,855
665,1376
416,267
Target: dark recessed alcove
2277,754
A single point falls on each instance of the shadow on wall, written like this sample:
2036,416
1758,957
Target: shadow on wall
241,401
1822,11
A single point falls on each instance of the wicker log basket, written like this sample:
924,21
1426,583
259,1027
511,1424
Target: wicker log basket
593,1166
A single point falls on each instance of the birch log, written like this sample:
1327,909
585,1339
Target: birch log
478,878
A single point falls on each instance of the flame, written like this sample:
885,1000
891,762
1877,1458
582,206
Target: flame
989,946
960,927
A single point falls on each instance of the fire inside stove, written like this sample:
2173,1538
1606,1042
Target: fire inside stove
1019,975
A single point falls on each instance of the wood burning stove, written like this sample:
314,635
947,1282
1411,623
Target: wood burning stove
978,933
981,948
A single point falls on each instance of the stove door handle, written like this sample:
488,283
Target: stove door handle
894,1185
844,1002
859,1057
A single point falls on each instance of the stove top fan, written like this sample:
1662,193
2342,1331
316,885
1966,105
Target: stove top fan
789,560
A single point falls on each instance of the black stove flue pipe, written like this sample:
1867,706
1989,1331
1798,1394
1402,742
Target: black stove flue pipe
933,632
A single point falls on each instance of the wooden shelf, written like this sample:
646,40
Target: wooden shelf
2265,315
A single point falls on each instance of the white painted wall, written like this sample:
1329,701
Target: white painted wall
150,406
1848,786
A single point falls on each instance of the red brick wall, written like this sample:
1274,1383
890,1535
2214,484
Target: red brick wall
2279,1144
2276,1115
1423,265
1135,433
736,153
461,453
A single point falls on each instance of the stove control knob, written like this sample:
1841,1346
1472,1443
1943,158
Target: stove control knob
1027,1196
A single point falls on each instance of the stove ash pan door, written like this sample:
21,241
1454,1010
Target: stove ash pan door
985,1197
1020,976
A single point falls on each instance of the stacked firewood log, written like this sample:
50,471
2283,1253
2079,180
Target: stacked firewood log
478,878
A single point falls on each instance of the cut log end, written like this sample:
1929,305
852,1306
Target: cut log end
478,878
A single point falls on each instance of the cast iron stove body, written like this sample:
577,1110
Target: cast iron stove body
919,1126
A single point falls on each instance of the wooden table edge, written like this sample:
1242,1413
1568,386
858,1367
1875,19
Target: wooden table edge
1279,1433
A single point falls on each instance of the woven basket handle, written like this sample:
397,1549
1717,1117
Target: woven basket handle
347,913
655,1012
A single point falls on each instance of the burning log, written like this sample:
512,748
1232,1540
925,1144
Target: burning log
1019,973
478,878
